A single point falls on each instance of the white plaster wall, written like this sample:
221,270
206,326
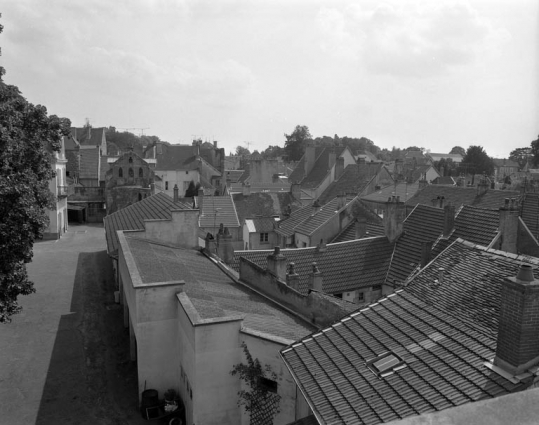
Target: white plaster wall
300,239
177,177
182,230
432,174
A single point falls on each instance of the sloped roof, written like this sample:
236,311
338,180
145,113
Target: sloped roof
176,157
73,162
94,138
318,218
402,189
212,293
423,224
530,213
345,266
443,334
158,206
349,232
89,163
298,174
353,180
264,204
260,224
455,157
414,174
105,166
320,168
233,175
287,227
279,187
456,195
217,210
505,163
446,180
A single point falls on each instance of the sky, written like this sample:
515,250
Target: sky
433,74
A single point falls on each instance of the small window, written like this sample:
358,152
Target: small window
131,173
140,196
376,287
264,237
166,185
361,297
120,172
267,384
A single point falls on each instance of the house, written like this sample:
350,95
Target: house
258,233
367,156
316,169
189,318
445,340
266,204
377,200
354,179
58,217
219,212
454,157
178,165
91,137
353,271
504,168
128,180
366,224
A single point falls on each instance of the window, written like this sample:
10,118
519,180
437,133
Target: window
131,174
166,185
377,287
140,172
267,384
361,297
140,196
264,237
120,172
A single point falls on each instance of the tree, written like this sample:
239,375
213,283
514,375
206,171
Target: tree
458,149
255,377
241,151
296,142
273,152
520,155
477,161
28,138
535,152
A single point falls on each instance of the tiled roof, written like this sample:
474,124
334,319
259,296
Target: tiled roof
457,196
176,157
414,174
530,213
345,266
456,157
476,225
95,137
217,210
446,180
423,224
299,172
443,335
505,163
287,227
318,218
404,190
73,162
105,166
157,206
89,163
233,175
413,154
213,294
349,232
264,204
279,187
320,168
353,180
262,224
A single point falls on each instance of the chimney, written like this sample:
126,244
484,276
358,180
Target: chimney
321,247
176,196
292,278
225,249
309,158
315,279
215,144
508,228
426,249
246,187
341,201
441,201
449,219
361,227
277,264
398,166
200,199
517,348
295,190
393,218
332,157
316,206
339,167
210,243
482,186
196,147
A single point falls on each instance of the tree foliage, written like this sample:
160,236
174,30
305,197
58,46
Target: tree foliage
273,152
241,151
535,152
458,149
256,395
28,137
296,142
477,161
521,156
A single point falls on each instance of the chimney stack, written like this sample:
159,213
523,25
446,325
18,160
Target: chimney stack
321,247
292,278
426,249
176,195
315,279
277,264
394,218
508,228
225,249
361,227
517,348
339,167
449,219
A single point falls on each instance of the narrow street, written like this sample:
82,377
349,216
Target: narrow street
65,358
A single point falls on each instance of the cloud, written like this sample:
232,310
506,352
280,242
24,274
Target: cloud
417,41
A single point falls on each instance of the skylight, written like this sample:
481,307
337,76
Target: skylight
385,364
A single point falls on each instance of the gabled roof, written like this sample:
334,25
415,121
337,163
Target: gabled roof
89,136
423,224
158,206
176,157
402,189
264,204
318,217
299,171
320,168
441,335
218,210
260,224
89,163
353,180
287,227
212,293
414,174
345,266
457,196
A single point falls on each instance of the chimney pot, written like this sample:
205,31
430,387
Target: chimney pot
525,273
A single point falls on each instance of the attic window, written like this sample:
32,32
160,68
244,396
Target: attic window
385,364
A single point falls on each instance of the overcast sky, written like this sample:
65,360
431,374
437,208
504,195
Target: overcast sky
434,74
